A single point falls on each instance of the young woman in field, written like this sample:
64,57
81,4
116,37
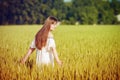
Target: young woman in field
44,44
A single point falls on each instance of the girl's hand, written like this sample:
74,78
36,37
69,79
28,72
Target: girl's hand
22,61
60,62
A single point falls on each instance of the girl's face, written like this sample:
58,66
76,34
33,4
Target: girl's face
53,26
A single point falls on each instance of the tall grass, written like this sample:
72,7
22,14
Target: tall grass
88,53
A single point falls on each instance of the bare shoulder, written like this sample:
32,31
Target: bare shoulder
50,34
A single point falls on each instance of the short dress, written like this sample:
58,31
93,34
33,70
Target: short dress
45,55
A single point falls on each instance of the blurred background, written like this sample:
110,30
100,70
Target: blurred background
67,11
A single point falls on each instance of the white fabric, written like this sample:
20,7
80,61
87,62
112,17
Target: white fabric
44,56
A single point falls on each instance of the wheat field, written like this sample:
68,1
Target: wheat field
88,52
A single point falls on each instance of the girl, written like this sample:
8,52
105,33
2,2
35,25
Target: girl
44,44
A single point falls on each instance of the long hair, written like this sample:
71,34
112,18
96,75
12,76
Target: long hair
42,34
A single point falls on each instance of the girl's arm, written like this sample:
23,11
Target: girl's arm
56,56
30,50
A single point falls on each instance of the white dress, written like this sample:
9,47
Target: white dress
44,56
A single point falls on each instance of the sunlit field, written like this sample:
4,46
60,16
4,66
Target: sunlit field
89,52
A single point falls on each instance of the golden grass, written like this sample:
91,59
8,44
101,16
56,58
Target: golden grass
88,53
